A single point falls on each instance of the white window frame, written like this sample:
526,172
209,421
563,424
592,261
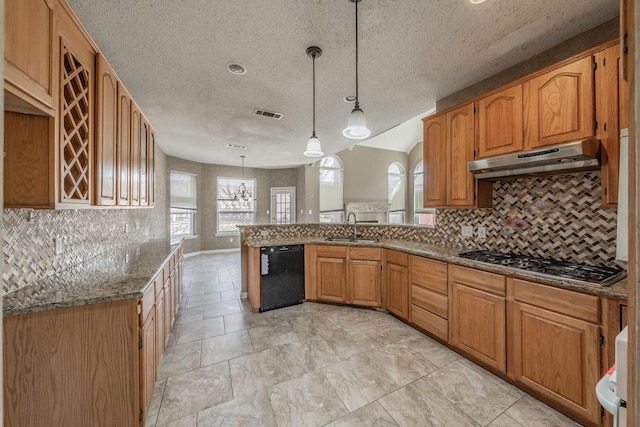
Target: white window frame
273,212
401,192
334,213
254,198
186,203
418,208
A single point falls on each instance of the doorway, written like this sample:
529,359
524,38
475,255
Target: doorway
283,205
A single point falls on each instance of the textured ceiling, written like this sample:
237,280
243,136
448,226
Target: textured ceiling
172,55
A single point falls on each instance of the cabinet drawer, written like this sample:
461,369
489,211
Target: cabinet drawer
429,281
147,302
429,300
368,254
157,284
332,251
489,282
430,322
574,304
426,265
396,257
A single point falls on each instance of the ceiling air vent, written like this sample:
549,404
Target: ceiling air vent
266,113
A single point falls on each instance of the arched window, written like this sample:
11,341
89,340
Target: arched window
421,215
397,190
331,190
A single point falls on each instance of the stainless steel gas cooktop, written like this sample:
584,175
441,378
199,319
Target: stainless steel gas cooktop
600,275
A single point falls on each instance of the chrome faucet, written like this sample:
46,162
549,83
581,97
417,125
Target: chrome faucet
355,222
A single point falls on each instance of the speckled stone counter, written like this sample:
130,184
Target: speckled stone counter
116,275
450,254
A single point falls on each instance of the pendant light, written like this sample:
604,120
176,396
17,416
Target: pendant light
313,145
357,125
242,193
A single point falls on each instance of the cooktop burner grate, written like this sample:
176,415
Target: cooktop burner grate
549,267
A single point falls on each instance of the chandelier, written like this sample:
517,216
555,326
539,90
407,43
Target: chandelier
242,193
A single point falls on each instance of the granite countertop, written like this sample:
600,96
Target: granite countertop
120,274
450,254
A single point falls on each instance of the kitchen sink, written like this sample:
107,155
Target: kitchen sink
350,240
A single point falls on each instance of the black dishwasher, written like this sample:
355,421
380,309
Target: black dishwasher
281,276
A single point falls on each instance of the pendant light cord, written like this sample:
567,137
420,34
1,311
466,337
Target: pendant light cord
313,57
357,101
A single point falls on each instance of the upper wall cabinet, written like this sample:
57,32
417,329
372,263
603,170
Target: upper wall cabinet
499,123
123,147
559,105
435,161
30,52
106,134
135,154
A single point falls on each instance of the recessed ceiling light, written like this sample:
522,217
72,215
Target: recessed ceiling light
236,69
239,147
349,98
476,1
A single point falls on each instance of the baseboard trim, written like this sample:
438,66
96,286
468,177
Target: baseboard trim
212,251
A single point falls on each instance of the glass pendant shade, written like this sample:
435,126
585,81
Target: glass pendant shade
313,147
357,125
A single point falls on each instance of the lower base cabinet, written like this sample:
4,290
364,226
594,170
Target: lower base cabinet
396,283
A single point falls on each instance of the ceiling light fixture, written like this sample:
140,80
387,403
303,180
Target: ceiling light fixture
357,125
476,1
242,193
236,69
313,145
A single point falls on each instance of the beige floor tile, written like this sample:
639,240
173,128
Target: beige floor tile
180,358
530,412
258,371
371,415
193,291
230,295
504,421
194,391
185,315
400,363
200,300
188,421
226,347
350,316
154,406
219,286
305,401
387,330
348,342
240,321
479,397
431,350
200,329
308,325
358,381
308,355
252,410
264,337
220,309
409,408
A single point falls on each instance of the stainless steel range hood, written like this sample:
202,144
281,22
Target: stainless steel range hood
570,157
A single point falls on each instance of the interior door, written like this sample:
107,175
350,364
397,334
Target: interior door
283,205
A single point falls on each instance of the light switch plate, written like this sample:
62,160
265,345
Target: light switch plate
482,232
59,243
264,233
467,231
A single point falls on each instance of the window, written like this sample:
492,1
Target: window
183,195
397,189
232,210
422,215
331,199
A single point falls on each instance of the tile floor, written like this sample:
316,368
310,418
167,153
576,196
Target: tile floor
315,365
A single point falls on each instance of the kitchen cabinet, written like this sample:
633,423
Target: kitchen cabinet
151,165
611,116
30,53
396,283
559,105
144,145
477,315
148,365
106,134
449,143
331,271
365,281
124,147
555,345
429,296
136,146
499,123
162,330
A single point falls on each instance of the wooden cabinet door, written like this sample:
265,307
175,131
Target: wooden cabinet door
365,285
397,291
75,115
499,123
477,325
124,146
30,51
161,328
135,153
559,105
151,172
460,146
106,134
147,362
558,356
144,145
607,115
332,279
435,161
168,301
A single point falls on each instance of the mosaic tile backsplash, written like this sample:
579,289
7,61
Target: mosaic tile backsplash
554,216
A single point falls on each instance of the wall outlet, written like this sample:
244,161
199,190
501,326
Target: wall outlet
467,231
267,211
230,239
126,229
310,212
264,233
482,232
59,244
